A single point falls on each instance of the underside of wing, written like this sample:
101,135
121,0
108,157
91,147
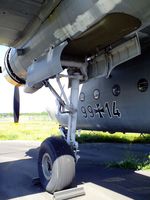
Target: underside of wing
17,18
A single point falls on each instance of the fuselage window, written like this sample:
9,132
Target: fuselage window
142,85
82,96
96,94
116,90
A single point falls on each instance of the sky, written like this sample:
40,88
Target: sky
37,102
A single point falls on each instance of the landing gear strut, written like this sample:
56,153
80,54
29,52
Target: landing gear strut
57,156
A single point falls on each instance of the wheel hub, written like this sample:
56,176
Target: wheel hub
47,166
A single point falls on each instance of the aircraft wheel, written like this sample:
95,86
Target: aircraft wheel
56,164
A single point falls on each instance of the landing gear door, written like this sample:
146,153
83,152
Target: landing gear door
45,67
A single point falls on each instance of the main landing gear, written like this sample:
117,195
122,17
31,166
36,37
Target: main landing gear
57,156
56,164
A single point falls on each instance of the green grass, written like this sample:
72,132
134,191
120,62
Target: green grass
31,127
37,127
132,162
97,136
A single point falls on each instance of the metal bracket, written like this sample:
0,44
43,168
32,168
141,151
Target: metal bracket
47,84
69,106
103,64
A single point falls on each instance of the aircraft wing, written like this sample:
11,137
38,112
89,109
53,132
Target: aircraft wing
19,20
47,34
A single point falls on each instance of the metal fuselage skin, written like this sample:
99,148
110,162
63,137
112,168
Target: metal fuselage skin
75,19
129,111
90,26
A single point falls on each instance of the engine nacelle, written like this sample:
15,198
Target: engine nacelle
11,73
31,71
16,70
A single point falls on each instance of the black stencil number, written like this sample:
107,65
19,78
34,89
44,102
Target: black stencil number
115,111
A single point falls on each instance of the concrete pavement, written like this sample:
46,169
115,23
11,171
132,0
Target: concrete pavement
18,165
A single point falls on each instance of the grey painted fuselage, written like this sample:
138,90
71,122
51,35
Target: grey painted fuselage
90,28
100,109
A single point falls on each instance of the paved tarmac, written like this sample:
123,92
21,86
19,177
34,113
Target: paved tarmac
18,165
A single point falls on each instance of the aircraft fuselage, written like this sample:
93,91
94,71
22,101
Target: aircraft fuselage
118,103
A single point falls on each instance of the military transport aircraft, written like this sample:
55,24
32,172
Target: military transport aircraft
104,45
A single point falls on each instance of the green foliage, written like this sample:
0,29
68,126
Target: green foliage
37,126
31,127
97,136
132,162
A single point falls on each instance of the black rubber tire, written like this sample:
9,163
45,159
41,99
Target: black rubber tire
62,164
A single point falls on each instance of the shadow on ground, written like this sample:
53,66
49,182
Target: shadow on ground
16,176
